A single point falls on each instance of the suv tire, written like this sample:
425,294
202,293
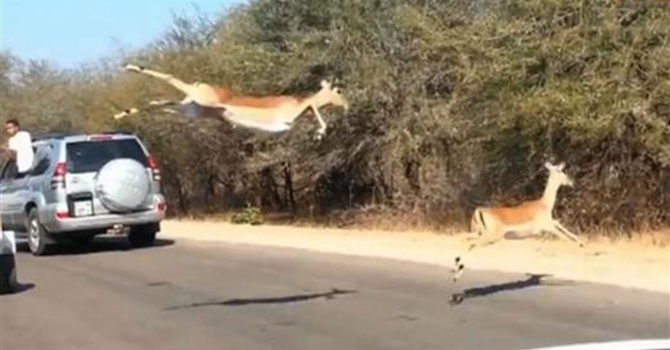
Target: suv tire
122,185
38,237
142,235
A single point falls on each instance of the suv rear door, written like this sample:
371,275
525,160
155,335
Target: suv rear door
86,157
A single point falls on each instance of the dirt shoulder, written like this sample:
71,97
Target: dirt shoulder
627,264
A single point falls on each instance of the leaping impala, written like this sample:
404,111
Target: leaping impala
275,113
527,219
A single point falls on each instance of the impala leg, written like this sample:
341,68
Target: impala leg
150,106
460,267
126,112
168,78
564,232
476,236
472,236
163,103
169,111
322,124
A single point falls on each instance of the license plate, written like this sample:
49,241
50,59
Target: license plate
83,208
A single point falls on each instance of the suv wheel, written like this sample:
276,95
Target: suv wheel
37,235
142,235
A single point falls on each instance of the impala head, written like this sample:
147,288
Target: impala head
556,174
332,95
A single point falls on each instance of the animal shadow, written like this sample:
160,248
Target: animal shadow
533,280
158,284
272,300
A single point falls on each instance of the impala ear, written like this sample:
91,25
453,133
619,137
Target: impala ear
548,165
561,166
325,84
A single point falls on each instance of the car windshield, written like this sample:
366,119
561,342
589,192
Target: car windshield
90,156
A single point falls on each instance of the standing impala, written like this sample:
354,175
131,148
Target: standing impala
527,219
274,113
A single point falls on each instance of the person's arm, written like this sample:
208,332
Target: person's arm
8,152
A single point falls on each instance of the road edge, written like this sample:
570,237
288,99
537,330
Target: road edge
555,258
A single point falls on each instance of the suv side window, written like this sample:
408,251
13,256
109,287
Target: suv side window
9,169
42,160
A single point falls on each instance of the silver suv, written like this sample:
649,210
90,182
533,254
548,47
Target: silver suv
81,186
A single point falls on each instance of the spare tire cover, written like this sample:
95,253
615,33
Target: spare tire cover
122,184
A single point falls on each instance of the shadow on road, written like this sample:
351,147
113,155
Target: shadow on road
275,300
18,289
533,280
102,244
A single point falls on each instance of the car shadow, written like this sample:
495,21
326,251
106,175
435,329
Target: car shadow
269,300
18,289
101,244
533,280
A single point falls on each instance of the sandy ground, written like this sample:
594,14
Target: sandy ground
627,264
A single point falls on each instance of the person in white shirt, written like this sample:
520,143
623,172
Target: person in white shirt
20,147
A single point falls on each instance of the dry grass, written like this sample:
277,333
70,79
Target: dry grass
650,238
408,223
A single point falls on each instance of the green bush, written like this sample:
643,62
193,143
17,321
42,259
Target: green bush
249,215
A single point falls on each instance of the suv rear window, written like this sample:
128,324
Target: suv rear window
91,156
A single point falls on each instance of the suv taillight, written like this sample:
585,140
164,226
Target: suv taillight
58,177
153,166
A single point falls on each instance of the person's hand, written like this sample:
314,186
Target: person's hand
4,149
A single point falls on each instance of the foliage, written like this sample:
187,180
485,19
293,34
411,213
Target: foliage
454,104
250,215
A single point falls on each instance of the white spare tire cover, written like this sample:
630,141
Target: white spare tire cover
122,184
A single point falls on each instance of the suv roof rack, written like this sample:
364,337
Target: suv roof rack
47,136
62,135
122,132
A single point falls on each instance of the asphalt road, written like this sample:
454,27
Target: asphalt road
186,295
